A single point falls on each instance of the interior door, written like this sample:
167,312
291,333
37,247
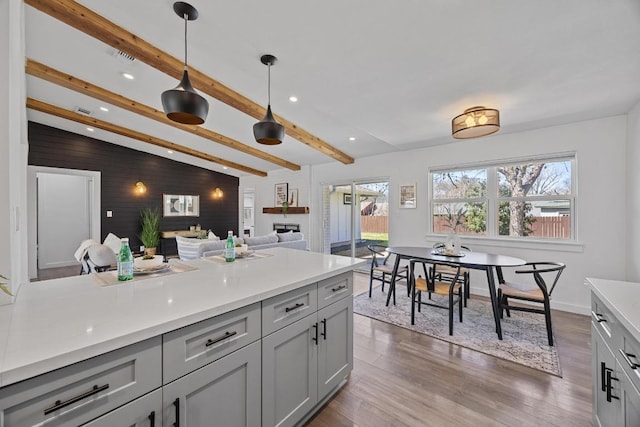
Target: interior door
63,217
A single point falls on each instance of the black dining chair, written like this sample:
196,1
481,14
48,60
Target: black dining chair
451,287
449,271
540,294
381,270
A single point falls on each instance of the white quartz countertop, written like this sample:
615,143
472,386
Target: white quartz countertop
622,298
55,323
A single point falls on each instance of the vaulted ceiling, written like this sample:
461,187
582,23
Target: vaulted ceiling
389,74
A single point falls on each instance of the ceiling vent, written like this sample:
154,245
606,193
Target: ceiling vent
123,56
83,111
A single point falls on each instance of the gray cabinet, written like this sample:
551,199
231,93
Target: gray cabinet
225,393
145,411
304,362
616,399
335,348
84,391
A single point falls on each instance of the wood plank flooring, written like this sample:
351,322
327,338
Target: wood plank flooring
403,378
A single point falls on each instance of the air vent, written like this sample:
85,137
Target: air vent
123,56
83,111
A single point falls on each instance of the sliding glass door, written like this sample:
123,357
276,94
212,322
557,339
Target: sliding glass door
355,215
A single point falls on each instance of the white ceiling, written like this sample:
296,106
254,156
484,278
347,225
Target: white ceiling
390,74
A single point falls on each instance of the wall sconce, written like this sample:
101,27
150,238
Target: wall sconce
140,188
217,193
475,122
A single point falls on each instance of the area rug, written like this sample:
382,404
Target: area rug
524,334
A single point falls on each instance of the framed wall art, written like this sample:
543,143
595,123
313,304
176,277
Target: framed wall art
408,196
180,205
281,194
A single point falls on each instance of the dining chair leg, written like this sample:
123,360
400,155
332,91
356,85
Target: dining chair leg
419,300
467,293
500,306
450,313
460,297
371,284
547,315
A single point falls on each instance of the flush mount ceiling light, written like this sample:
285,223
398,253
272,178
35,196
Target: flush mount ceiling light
475,122
267,131
183,104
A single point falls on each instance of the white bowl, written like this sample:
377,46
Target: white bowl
142,264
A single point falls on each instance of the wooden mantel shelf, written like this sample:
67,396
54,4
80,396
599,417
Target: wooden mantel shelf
290,210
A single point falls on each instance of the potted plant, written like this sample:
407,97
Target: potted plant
150,235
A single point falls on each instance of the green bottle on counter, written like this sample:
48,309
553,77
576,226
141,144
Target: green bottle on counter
230,248
125,261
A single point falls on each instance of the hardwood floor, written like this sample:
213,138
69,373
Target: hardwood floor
403,378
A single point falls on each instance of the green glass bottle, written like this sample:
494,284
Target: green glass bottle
230,248
125,261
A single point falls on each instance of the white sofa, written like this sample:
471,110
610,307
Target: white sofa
190,248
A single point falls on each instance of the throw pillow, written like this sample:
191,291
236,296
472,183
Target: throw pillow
212,236
261,240
113,242
290,236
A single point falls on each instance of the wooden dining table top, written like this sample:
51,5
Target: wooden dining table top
469,259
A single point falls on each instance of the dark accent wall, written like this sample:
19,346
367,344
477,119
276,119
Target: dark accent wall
122,167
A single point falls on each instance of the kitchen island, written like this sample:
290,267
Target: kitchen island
615,346
250,324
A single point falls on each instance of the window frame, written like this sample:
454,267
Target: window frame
492,198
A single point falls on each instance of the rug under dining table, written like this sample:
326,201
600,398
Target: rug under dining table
524,334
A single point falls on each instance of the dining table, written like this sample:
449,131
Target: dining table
490,263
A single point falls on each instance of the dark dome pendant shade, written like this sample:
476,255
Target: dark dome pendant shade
268,131
183,104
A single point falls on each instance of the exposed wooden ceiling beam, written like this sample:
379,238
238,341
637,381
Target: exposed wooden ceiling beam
52,75
44,107
94,25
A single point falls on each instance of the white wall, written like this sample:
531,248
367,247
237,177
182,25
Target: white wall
633,195
600,147
13,145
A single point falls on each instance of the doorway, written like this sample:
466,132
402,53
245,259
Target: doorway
356,214
63,210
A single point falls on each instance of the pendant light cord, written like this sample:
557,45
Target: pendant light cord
185,40
269,84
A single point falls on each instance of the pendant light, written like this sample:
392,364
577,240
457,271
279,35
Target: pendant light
183,104
267,131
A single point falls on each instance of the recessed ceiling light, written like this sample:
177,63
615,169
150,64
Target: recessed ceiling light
293,98
169,151
128,76
105,109
90,129
352,138
225,168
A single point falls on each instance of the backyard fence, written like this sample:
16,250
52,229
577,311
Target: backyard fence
554,227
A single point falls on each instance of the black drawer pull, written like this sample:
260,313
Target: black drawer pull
627,358
59,404
298,305
217,340
339,288
315,328
176,404
609,387
152,419
599,318
324,329
603,376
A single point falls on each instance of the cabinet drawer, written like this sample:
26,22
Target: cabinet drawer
191,347
81,392
628,354
334,288
605,322
282,310
145,411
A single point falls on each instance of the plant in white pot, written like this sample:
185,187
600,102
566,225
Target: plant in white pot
150,235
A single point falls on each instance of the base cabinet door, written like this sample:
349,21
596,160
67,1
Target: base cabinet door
145,411
630,400
606,402
335,349
223,393
289,372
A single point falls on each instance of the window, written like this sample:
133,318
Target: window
521,199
